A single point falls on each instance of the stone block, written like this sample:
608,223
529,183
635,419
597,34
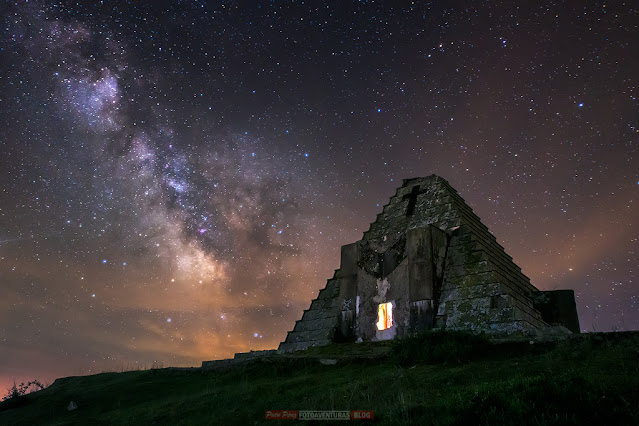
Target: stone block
469,269
558,307
463,255
501,314
467,311
331,290
347,288
316,324
470,292
348,260
309,335
471,280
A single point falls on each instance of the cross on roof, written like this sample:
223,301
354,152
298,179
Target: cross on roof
412,200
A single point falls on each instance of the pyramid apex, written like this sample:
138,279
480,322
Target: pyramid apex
433,177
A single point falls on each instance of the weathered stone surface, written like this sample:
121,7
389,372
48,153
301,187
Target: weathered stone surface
346,326
319,313
348,260
324,303
459,293
421,268
330,291
428,256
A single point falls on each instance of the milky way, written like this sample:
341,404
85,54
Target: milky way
177,177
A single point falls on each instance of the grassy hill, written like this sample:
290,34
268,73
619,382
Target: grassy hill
436,378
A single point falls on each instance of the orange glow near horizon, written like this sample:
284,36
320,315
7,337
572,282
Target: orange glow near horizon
384,316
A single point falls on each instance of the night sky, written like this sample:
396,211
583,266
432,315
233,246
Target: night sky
177,178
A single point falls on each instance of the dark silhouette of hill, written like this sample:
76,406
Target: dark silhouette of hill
434,378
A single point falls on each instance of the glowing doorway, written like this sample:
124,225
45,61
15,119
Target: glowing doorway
384,316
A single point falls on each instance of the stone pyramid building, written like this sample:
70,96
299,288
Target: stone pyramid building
428,262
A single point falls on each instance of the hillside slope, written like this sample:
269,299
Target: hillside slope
439,378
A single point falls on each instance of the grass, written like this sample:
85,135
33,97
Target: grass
435,378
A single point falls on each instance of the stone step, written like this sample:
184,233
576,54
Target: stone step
310,335
324,303
317,324
498,256
483,278
315,314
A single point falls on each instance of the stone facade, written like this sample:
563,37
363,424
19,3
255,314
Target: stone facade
432,263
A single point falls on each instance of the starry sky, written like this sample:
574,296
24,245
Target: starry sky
177,177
